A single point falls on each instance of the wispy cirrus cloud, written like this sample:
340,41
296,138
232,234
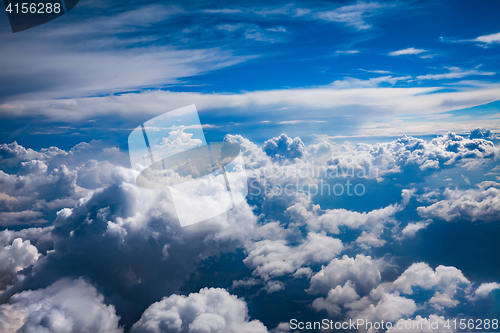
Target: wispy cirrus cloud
454,73
223,11
352,15
340,52
366,97
253,31
482,41
407,51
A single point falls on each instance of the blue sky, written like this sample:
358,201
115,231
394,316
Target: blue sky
365,65
407,89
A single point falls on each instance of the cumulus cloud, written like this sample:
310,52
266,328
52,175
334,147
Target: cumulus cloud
177,141
270,259
211,310
411,229
35,184
481,204
39,237
416,157
138,231
390,301
444,280
67,306
14,258
482,133
361,271
336,296
281,237
284,147
372,223
390,307
484,290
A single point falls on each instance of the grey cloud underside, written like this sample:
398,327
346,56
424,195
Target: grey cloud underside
136,259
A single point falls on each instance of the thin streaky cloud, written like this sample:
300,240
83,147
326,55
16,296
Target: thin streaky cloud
455,73
339,52
370,100
483,41
277,29
223,11
410,50
352,15
376,71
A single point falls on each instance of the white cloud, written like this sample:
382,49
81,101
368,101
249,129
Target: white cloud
489,39
39,237
330,220
390,307
245,283
34,185
177,141
474,204
410,50
124,221
376,101
445,279
353,15
350,83
386,301
15,257
211,311
484,290
336,296
270,259
284,147
66,306
409,153
454,73
339,52
105,55
361,270
412,228
121,217
274,286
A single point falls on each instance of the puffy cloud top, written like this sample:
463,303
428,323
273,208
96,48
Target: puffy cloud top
284,147
67,306
474,204
211,310
481,133
14,258
361,270
412,157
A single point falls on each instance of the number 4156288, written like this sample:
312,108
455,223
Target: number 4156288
471,324
34,8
